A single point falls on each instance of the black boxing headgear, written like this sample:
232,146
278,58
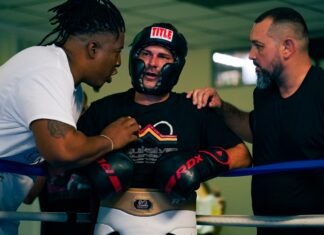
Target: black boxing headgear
167,36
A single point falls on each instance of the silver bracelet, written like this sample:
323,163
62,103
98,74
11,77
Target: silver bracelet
110,140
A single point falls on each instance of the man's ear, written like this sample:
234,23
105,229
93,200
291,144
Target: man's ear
289,48
92,48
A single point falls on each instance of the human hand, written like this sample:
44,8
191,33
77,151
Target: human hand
205,96
122,132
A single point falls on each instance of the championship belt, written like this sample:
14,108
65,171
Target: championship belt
146,202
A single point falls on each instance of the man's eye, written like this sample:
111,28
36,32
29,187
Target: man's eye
166,57
259,46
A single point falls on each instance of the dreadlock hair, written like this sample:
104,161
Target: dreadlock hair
77,17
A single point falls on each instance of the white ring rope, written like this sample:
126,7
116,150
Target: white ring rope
262,221
225,220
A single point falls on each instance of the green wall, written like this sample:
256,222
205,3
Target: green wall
8,45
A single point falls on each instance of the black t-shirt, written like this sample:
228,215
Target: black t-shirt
287,130
172,125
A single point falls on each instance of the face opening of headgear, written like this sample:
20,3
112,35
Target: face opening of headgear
160,34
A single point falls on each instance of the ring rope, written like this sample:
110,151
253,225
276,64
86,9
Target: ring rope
71,217
262,221
225,220
290,166
240,220
23,169
19,168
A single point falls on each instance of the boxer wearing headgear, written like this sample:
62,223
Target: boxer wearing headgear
168,37
171,135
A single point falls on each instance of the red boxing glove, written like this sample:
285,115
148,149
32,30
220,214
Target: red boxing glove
181,173
110,174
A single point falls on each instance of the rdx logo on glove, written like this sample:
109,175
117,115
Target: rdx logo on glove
183,169
182,172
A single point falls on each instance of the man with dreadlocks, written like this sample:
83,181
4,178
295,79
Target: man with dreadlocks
179,146
41,97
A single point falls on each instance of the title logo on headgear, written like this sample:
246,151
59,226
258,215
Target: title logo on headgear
161,33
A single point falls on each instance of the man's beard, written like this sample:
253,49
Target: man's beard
264,79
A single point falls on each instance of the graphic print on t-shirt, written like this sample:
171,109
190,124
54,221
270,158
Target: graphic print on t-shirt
154,140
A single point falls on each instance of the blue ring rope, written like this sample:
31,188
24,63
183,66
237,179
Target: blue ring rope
23,169
278,168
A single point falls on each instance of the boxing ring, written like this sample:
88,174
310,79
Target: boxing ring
222,220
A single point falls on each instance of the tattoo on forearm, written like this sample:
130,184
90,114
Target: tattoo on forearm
57,129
